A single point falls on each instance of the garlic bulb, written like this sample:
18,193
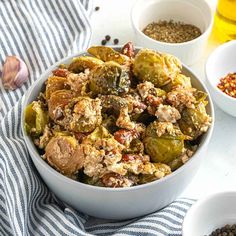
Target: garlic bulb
14,73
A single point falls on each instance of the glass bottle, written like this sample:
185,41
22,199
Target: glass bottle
225,20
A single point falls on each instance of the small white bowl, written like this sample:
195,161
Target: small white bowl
197,13
210,213
221,62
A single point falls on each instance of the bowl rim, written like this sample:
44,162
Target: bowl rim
205,33
200,203
32,150
213,54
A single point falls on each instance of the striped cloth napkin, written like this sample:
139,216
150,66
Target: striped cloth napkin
42,32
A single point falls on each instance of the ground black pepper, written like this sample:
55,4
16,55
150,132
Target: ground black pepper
97,8
227,230
171,32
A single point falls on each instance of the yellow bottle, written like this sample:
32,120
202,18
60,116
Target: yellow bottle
225,20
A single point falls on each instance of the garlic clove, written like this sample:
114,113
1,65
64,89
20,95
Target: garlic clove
14,73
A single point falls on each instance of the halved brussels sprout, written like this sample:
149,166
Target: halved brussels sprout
100,138
57,102
115,180
201,97
160,171
64,154
143,117
109,78
175,164
136,146
98,134
195,121
179,80
163,149
166,146
91,180
55,83
36,118
108,54
155,67
159,92
79,64
110,123
119,107
83,114
114,102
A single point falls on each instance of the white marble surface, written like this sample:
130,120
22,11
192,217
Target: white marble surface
217,172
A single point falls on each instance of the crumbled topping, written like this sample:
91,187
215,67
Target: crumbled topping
180,98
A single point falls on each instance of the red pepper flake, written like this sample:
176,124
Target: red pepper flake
227,84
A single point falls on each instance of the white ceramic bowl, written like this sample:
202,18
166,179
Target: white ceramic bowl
221,62
121,203
210,213
196,12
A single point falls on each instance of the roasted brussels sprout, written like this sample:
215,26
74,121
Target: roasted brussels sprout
79,64
195,121
110,123
114,180
144,118
83,114
64,154
180,80
36,118
114,102
57,102
108,54
179,161
120,108
109,78
98,134
91,180
163,142
55,83
101,139
200,97
157,68
160,170
136,146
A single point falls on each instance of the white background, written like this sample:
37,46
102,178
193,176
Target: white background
217,172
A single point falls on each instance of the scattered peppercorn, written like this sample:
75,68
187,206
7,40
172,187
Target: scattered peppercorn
116,41
97,8
227,84
171,32
227,230
103,42
107,37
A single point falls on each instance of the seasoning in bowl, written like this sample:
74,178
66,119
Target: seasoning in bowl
227,84
171,31
227,230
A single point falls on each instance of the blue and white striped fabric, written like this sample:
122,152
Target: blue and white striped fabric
42,32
